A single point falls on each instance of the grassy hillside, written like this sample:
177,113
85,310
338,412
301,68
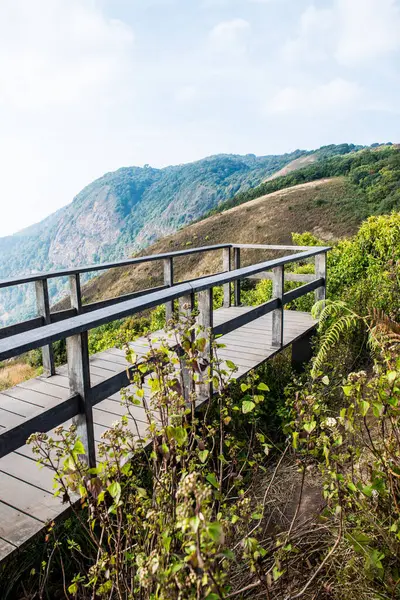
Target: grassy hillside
319,207
373,172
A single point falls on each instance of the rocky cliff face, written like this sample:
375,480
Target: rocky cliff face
80,237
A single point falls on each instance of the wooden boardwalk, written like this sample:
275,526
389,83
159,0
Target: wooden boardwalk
26,499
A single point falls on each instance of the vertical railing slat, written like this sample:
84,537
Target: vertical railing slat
79,383
320,271
186,308
205,322
278,285
169,280
75,292
236,284
43,309
79,376
226,266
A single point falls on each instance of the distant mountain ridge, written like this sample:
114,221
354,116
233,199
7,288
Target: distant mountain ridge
125,211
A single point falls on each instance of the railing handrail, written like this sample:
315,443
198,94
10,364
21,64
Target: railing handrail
105,266
46,334
31,278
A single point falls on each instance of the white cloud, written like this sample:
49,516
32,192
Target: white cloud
328,98
186,94
368,29
55,52
349,32
230,36
313,36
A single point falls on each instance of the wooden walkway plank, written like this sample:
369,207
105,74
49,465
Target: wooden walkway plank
16,527
21,468
47,387
28,499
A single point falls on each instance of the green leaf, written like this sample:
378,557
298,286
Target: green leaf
115,491
73,588
263,387
244,387
378,409
215,532
78,448
347,390
203,455
247,406
295,437
364,407
213,480
392,376
310,426
276,573
325,380
231,365
180,435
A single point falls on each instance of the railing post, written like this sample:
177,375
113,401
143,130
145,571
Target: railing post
169,280
79,376
76,294
79,383
320,271
186,308
43,308
226,266
236,284
278,284
205,321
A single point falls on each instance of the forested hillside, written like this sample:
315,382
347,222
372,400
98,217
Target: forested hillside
373,172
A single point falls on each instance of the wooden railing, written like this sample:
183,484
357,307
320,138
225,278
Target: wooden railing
75,323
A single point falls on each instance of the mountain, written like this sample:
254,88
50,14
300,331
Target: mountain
330,208
126,210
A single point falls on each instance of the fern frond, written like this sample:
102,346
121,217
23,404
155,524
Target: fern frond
332,337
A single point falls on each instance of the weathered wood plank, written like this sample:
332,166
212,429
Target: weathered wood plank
299,277
28,499
304,289
16,527
22,468
14,437
43,308
31,396
5,548
79,383
9,419
46,387
104,266
18,407
245,318
226,266
278,286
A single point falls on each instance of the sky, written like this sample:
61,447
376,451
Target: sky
88,86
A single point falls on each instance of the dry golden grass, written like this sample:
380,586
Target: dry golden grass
13,373
271,219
